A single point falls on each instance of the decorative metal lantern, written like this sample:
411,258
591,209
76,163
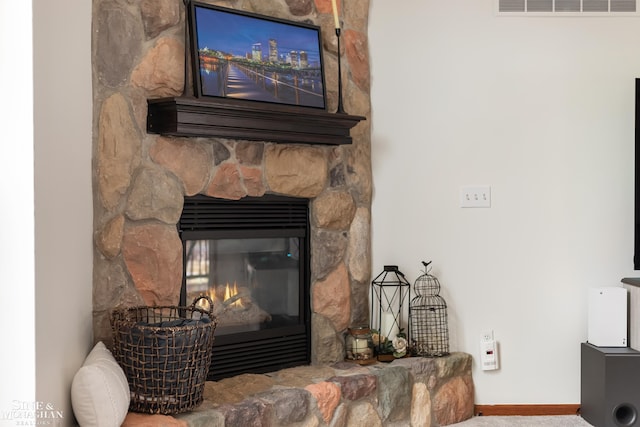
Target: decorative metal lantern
428,317
390,294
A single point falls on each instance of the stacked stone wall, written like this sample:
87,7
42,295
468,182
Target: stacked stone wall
140,179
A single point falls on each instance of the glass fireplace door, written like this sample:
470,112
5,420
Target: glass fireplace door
253,282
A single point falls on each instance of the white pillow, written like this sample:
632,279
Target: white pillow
100,393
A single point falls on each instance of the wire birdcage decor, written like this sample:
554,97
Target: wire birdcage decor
428,317
391,293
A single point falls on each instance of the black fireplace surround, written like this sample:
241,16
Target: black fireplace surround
251,256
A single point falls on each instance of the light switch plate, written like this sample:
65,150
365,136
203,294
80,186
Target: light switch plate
478,196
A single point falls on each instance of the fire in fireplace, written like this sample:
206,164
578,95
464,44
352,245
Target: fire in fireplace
251,257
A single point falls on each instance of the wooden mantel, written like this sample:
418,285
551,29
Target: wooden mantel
228,118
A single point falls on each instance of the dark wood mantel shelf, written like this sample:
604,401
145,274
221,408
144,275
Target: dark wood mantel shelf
224,118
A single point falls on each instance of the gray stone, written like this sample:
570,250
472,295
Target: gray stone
454,364
158,15
155,195
340,416
220,152
357,14
249,413
327,251
289,405
337,176
359,173
111,282
267,8
300,7
249,153
423,368
208,418
394,393
360,303
118,43
109,238
324,337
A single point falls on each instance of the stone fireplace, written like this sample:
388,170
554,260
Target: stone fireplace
141,179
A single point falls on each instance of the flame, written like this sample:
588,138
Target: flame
232,292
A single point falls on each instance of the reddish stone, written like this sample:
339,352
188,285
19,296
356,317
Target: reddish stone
161,71
188,160
153,256
226,183
332,297
453,403
355,387
324,6
252,178
143,420
328,396
357,53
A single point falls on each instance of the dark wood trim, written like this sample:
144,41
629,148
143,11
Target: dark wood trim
528,410
259,121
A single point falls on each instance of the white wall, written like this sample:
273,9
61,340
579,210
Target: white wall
63,200
540,109
17,308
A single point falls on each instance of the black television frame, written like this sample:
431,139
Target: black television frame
636,234
248,25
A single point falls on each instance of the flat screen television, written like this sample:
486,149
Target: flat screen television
241,55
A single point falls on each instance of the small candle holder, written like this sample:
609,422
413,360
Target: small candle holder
359,345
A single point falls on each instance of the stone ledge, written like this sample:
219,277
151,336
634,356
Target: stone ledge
425,392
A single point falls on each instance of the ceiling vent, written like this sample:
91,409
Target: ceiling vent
567,7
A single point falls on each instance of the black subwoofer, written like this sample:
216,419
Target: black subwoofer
610,386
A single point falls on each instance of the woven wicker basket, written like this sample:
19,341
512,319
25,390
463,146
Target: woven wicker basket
165,353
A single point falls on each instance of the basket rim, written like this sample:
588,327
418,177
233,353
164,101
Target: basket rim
121,316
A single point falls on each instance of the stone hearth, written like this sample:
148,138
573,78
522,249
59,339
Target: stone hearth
417,392
140,179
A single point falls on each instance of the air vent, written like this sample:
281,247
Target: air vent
267,212
567,7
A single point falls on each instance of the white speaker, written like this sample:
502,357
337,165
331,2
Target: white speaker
607,317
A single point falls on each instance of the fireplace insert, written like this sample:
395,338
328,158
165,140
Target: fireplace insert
251,257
